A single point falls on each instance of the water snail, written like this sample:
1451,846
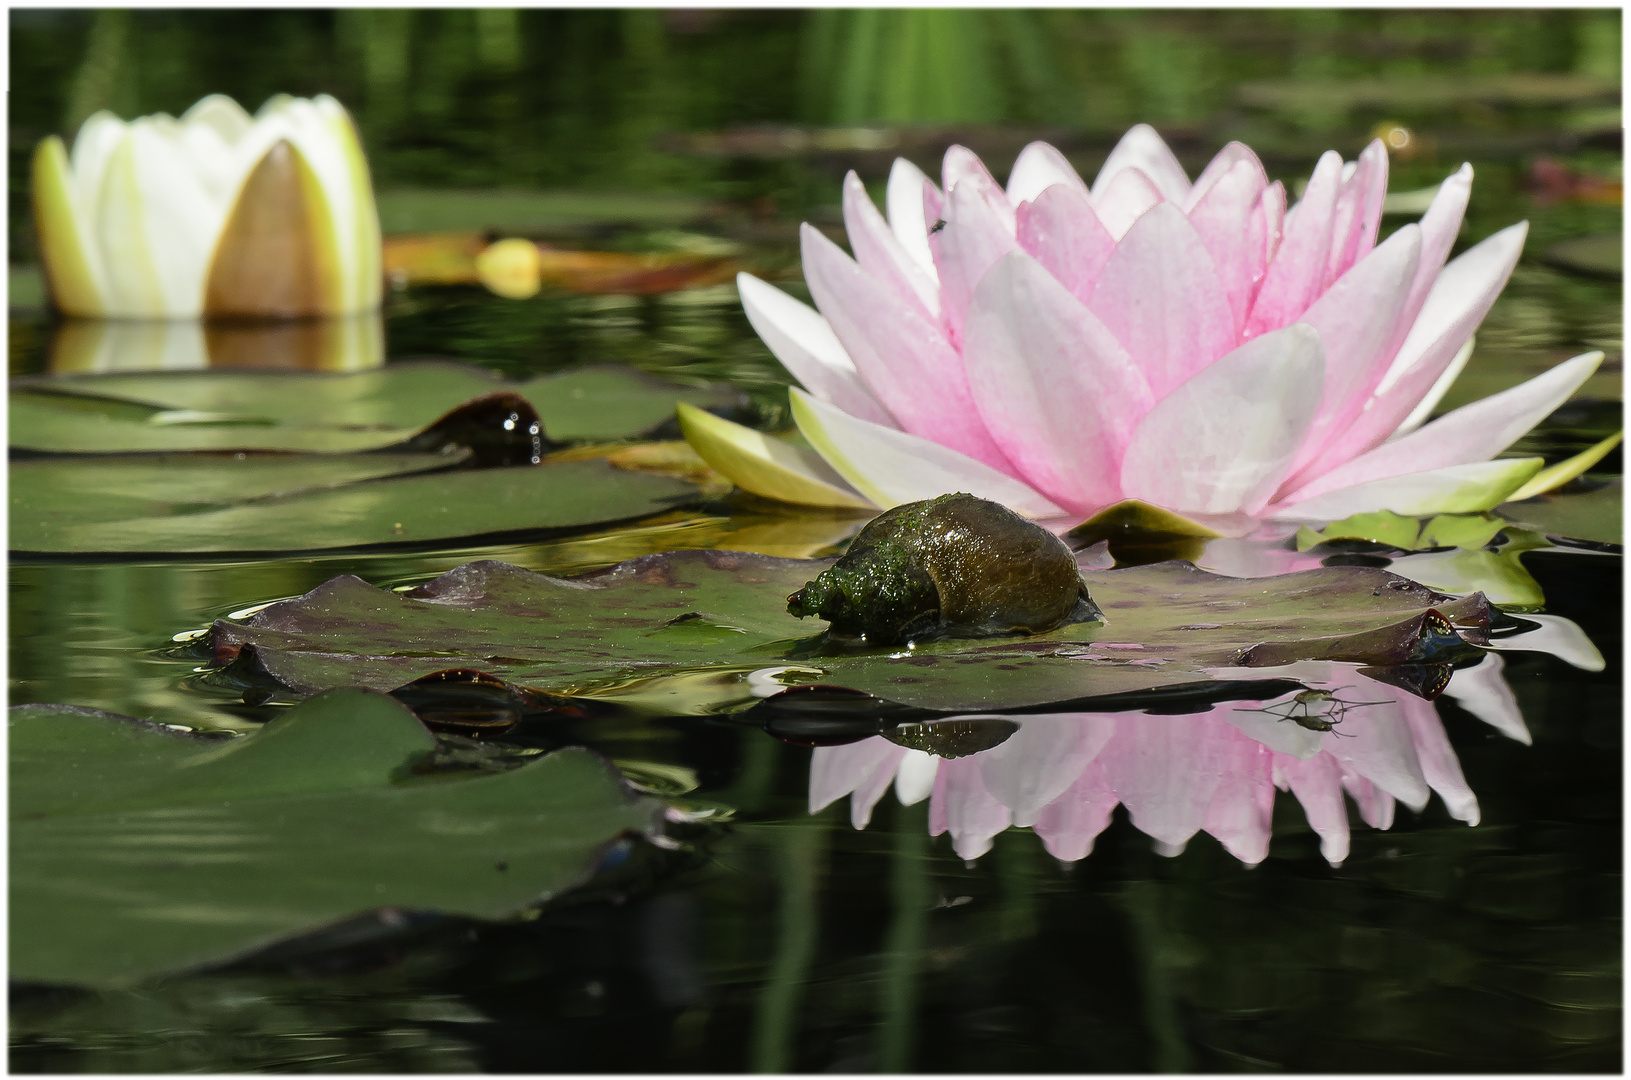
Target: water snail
952,566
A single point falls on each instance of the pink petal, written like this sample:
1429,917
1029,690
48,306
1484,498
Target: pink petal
1439,228
1166,770
1042,759
1297,274
1057,392
961,806
1038,167
1425,407
1460,299
1224,440
1159,294
1475,432
1482,690
836,771
1375,805
974,237
1242,807
1069,824
1141,148
801,339
904,199
1358,213
1358,320
892,467
1060,229
1377,745
902,357
1438,761
1265,230
961,166
880,254
1222,219
1125,199
1219,167
1317,784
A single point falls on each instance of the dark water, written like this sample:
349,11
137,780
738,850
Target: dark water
785,941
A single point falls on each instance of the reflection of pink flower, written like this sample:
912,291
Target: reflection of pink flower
1217,771
1197,345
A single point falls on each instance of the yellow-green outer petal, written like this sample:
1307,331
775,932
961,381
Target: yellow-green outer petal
1135,515
134,286
757,463
1475,497
65,246
1557,475
368,273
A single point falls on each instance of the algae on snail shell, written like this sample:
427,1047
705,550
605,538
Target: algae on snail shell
953,566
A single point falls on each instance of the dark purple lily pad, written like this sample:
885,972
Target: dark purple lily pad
682,631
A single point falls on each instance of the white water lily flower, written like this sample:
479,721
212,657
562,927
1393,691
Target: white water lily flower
212,214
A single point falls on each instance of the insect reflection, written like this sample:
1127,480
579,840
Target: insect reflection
1320,710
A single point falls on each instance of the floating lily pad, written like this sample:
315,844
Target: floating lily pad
640,630
317,412
1407,533
1587,515
277,502
137,850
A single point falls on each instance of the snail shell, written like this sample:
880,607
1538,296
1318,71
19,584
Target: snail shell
950,566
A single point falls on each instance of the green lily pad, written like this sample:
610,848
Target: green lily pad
681,631
1407,533
243,503
1586,515
138,851
319,412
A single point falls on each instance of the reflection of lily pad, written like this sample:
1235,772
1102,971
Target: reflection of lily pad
261,410
611,634
136,850
278,502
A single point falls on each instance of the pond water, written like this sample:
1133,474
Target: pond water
770,938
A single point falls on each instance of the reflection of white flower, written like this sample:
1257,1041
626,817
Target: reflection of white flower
215,213
1063,774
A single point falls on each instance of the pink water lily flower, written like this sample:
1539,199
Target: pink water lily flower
1063,774
1195,345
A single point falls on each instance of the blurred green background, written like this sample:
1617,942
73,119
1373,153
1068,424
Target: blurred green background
618,99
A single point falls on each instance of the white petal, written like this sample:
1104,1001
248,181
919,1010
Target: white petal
892,467
904,201
1455,490
1483,691
1425,408
1475,432
803,341
1038,167
1561,637
1143,149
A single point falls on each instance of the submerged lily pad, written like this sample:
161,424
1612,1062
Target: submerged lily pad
318,412
137,850
683,615
278,502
